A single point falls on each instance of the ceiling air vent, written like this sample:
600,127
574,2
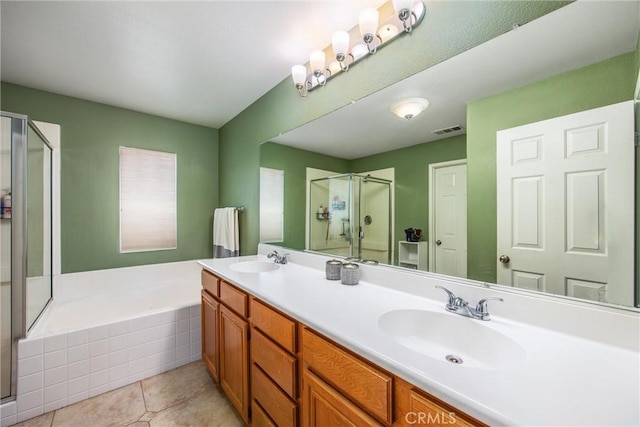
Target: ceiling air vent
450,129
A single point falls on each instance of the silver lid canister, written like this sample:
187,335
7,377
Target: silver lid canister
332,269
350,274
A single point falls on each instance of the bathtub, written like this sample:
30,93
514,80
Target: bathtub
106,329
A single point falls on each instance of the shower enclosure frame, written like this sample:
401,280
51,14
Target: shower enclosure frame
352,202
20,126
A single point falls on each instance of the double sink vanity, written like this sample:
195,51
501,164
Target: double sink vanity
289,347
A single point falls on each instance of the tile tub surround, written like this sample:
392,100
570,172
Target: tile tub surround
107,329
567,376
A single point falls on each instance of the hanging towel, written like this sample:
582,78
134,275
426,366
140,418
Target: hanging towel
225,233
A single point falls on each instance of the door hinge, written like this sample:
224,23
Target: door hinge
636,138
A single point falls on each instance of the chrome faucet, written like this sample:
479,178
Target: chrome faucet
460,306
279,259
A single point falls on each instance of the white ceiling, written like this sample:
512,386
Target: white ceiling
201,62
571,37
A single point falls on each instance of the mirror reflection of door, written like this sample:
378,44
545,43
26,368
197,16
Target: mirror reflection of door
448,218
578,168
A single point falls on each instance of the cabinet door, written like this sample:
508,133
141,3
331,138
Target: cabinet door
234,360
425,410
324,406
210,355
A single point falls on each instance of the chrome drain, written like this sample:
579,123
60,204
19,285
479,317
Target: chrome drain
453,359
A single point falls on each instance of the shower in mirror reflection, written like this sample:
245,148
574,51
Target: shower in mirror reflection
350,215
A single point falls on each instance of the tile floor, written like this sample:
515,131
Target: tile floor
186,396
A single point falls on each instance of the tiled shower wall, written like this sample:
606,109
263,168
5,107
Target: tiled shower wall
60,370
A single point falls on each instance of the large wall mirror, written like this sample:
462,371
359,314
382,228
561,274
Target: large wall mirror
521,171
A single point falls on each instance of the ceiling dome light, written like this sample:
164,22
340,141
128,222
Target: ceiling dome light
409,108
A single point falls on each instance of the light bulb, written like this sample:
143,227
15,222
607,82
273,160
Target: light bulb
317,60
340,43
387,32
359,51
299,74
368,22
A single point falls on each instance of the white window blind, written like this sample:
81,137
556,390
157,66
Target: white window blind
271,205
148,209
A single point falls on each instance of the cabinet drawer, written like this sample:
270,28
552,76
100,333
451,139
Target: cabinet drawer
275,362
210,283
278,327
275,403
365,385
234,298
323,406
426,409
259,418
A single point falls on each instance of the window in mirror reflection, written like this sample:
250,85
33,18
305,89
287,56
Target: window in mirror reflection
271,205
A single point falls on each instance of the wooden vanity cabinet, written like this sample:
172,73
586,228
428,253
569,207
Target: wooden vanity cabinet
225,339
339,385
299,377
414,407
274,366
234,359
210,342
210,309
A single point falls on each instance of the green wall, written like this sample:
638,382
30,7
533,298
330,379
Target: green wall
295,162
412,178
448,29
596,85
90,136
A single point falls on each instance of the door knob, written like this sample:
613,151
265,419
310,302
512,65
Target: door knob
438,242
504,259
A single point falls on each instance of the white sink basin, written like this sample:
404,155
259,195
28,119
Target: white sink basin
254,266
439,335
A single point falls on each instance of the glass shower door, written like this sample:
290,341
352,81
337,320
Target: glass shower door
5,259
330,215
39,263
25,236
374,219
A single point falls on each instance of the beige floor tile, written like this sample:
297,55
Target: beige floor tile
139,424
208,409
41,421
147,416
169,388
116,408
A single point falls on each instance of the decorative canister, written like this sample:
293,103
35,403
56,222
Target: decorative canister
332,269
350,273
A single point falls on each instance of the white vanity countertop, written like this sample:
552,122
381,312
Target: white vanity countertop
564,380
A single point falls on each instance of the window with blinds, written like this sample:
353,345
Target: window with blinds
271,205
148,207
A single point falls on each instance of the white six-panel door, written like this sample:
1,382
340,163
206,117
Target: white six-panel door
566,205
448,233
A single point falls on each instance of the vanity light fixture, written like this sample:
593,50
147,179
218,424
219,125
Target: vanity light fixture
407,15
409,108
